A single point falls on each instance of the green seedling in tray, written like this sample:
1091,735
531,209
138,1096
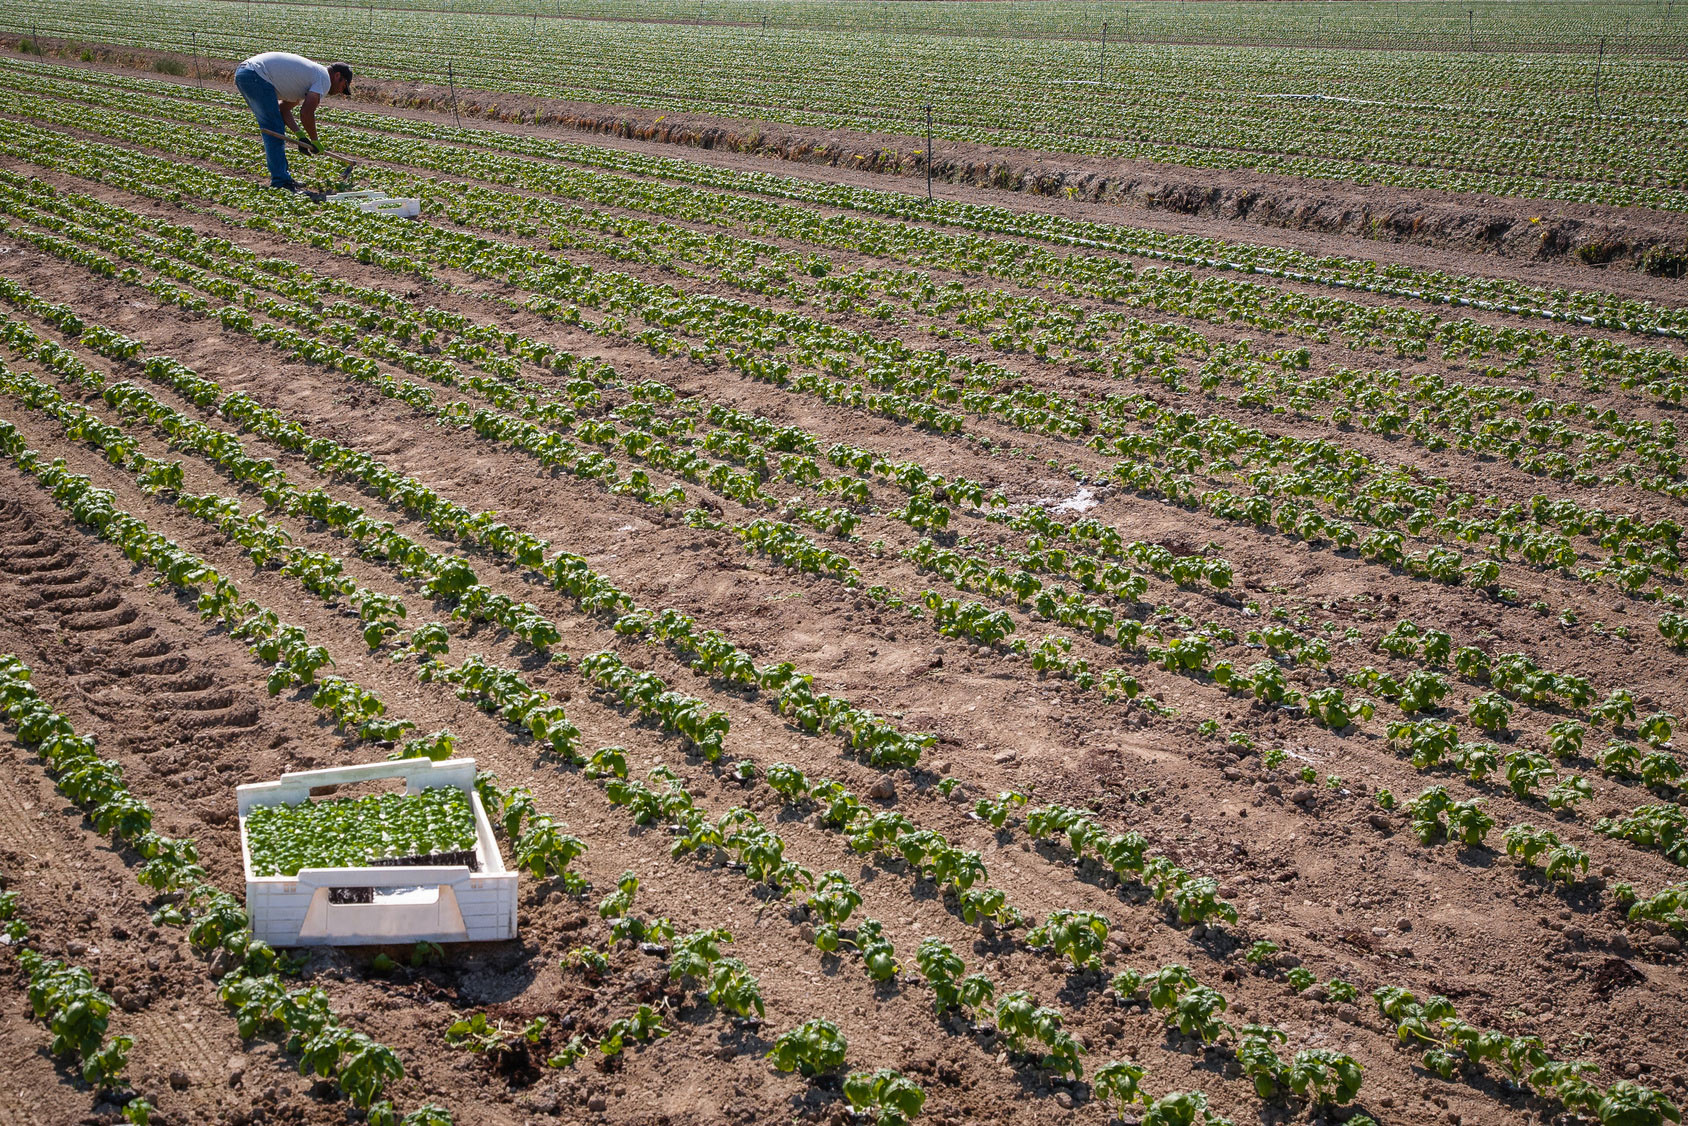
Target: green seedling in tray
355,832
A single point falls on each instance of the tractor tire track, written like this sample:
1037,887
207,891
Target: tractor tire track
78,894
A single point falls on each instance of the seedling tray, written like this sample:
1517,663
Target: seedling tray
471,898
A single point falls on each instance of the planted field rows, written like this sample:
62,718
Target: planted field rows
925,662
1575,119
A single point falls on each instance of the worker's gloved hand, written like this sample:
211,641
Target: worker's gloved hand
307,146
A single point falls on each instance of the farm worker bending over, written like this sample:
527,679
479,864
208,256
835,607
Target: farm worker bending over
272,84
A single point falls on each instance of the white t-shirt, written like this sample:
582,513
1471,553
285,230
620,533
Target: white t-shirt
293,76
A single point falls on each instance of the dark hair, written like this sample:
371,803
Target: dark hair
343,71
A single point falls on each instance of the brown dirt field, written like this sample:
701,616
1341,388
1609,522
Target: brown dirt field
1343,887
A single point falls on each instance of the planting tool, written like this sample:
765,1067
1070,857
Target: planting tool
346,163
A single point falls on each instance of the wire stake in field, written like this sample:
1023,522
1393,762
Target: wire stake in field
196,75
1102,55
1598,60
451,82
928,152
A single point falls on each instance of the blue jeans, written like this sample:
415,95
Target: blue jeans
266,107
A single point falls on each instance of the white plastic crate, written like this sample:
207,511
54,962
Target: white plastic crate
433,903
377,202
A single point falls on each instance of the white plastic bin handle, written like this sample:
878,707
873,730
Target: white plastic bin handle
447,771
453,875
296,786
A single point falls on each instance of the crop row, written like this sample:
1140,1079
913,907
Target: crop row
1398,331
1558,434
1438,564
758,534
539,847
880,841
1513,773
1628,565
1006,258
758,849
907,475
258,999
63,996
442,577
1379,117
1052,936
1496,24
1435,815
548,725
972,628
1326,707
360,1066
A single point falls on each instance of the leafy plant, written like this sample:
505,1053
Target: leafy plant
474,1033
1668,907
1341,991
879,957
1079,936
943,971
1116,1085
1490,711
1466,822
1569,791
1325,1076
618,902
1565,739
1030,1029
607,762
1628,1104
1331,708
832,902
1259,1060
588,960
1560,861
888,1097
1182,1108
1662,828
812,1048
1526,771
996,812
543,850
642,1027
77,1014
1656,728
732,987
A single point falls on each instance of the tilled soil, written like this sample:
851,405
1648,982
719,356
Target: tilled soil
1344,887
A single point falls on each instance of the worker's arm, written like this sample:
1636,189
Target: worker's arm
307,112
